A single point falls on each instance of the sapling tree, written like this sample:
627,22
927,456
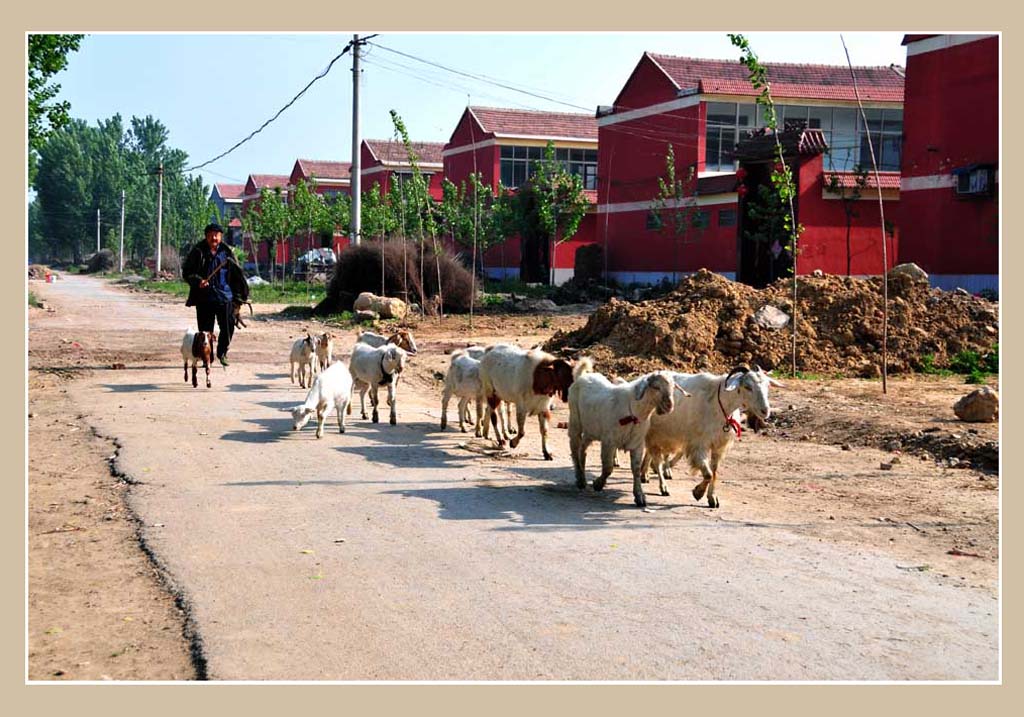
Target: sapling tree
782,173
675,208
849,196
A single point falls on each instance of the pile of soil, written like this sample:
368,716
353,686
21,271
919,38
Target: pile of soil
37,271
708,323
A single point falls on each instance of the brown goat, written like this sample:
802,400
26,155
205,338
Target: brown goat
195,347
553,377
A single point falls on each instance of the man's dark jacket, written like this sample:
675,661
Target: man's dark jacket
192,270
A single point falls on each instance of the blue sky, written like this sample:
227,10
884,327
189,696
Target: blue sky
213,90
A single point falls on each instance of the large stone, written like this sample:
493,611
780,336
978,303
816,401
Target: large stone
910,269
980,406
390,308
366,316
770,317
364,302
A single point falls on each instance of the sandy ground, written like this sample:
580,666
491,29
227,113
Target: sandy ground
407,553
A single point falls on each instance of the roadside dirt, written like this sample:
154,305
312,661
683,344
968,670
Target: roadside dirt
97,606
794,476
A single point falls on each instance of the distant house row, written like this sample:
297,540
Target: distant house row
934,130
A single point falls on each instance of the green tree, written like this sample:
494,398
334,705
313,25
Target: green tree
547,212
308,210
47,55
268,220
676,209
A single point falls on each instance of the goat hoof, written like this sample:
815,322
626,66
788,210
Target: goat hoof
209,385
599,484
581,483
548,456
664,491
698,491
393,421
640,499
643,479
375,419
319,434
514,442
341,430
463,430
713,501
195,384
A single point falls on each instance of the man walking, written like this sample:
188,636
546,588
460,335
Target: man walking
215,281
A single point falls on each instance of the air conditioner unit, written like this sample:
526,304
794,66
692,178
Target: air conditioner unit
975,180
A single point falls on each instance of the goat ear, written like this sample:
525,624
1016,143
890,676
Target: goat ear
733,382
775,382
640,390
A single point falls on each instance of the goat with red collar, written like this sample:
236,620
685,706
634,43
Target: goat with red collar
616,414
703,428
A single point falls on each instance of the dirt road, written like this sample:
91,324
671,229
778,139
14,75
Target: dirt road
395,553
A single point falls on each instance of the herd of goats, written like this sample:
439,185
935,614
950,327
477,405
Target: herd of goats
659,418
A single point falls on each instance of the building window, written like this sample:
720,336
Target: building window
519,163
843,128
726,217
700,220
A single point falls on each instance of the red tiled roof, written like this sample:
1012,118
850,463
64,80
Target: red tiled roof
393,151
322,169
591,195
888,180
533,123
761,145
236,222
269,180
821,82
230,191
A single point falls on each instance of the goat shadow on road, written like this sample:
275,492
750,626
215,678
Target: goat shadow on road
532,507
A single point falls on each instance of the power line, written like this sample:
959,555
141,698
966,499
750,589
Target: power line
276,114
483,78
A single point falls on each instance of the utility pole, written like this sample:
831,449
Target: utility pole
97,231
355,182
121,269
159,212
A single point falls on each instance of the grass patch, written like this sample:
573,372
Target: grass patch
287,292
33,300
929,368
519,288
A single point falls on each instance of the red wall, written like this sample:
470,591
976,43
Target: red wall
952,107
823,243
635,248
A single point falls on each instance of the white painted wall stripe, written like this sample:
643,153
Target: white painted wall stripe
702,201
469,147
657,109
931,181
942,42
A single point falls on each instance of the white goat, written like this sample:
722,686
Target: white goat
505,428
402,338
303,354
616,414
703,428
372,368
529,379
463,381
324,351
197,346
331,389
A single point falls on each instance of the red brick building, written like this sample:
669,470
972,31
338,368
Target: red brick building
502,144
330,178
703,108
949,202
382,161
253,186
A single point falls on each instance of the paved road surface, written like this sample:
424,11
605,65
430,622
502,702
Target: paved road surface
392,553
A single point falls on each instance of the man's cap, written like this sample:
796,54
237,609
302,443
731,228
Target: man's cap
213,228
